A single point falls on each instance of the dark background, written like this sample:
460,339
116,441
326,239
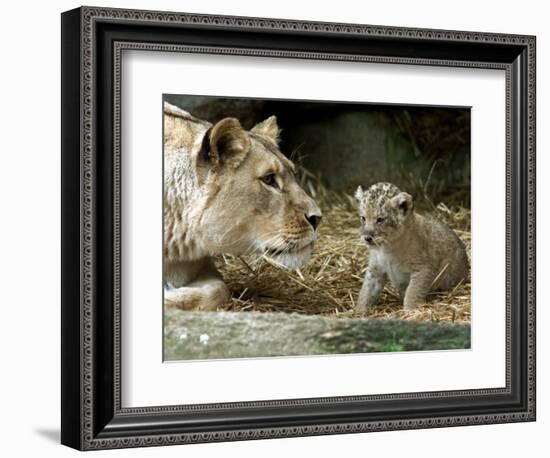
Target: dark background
423,150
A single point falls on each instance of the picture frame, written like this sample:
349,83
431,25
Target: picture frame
93,416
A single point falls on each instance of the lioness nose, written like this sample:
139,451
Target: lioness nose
313,219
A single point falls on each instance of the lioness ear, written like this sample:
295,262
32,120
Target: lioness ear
268,128
229,143
404,202
359,194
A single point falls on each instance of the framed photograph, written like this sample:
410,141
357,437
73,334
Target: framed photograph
276,228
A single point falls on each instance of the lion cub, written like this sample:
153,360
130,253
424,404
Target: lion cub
417,253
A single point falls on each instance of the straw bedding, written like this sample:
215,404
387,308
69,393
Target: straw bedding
329,283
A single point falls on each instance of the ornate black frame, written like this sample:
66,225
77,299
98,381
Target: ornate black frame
92,42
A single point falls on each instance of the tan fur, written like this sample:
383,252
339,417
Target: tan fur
217,200
418,253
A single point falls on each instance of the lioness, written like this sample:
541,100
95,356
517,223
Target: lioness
227,190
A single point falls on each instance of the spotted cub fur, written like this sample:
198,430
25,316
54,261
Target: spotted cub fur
418,253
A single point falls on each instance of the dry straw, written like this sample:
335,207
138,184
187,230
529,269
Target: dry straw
330,282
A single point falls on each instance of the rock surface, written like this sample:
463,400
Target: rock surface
215,335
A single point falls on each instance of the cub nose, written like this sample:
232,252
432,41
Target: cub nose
313,219
368,236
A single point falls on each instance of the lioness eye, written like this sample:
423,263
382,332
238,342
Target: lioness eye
270,180
380,220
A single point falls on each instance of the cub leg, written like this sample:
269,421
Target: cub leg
206,290
372,286
418,288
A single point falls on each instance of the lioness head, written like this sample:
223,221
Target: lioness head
254,203
384,211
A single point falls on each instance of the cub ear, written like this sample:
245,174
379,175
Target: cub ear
268,128
359,194
229,143
404,202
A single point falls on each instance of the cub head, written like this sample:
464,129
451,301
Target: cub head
384,211
254,202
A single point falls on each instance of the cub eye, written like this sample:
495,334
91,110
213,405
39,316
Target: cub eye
363,219
270,180
380,220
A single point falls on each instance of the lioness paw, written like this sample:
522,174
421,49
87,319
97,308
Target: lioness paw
204,297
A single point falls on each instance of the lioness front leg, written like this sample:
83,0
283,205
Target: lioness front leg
418,288
372,286
207,290
206,294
